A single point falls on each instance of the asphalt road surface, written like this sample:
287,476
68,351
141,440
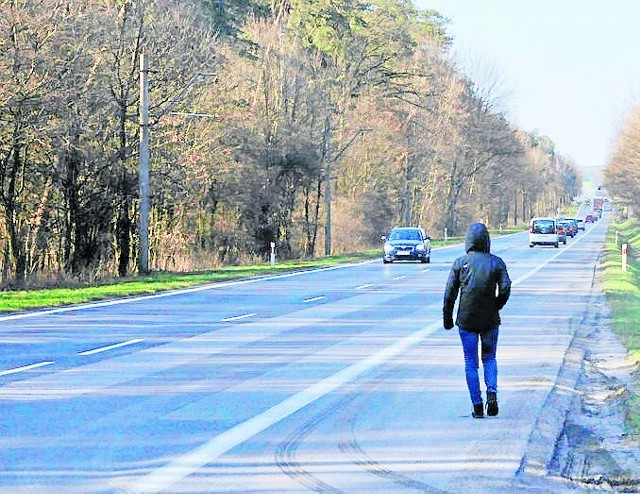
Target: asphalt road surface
332,380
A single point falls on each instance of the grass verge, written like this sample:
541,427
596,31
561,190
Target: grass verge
622,289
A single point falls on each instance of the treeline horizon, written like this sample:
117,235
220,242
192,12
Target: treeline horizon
622,171
314,124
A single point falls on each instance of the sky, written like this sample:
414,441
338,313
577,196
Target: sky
569,69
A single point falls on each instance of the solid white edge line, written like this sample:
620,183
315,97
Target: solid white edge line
313,299
111,347
236,318
15,370
171,293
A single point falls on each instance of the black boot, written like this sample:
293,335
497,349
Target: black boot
492,404
478,411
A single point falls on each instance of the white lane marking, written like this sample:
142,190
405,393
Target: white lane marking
362,287
313,299
199,288
552,258
185,465
237,318
424,270
171,293
399,277
111,347
24,368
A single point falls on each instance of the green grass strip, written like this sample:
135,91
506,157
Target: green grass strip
622,289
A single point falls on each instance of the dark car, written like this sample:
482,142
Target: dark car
590,218
569,228
406,243
562,232
574,222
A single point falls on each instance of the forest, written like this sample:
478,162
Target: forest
314,124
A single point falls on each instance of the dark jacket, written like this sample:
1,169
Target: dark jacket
482,281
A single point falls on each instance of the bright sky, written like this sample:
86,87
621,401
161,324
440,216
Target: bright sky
571,67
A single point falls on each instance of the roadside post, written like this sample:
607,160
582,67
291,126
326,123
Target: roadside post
143,148
273,254
624,257
445,233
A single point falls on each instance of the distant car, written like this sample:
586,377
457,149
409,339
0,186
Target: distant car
406,243
580,223
574,222
589,218
543,231
562,232
569,228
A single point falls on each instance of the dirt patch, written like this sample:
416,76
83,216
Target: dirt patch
581,442
595,449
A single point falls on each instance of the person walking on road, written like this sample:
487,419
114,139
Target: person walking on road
483,283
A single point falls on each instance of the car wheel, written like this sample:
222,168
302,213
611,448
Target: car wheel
386,262
556,245
564,242
531,244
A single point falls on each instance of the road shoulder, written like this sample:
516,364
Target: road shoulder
579,441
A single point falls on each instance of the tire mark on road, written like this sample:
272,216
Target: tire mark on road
351,447
346,412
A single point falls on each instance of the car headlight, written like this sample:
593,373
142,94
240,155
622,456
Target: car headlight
388,248
420,246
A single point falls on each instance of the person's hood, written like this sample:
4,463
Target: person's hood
477,238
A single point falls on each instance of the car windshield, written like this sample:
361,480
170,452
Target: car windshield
405,235
542,226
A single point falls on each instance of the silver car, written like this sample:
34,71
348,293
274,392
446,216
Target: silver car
406,243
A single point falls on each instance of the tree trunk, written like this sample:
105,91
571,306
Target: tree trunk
9,195
452,202
123,234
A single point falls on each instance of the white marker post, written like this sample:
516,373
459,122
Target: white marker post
624,257
273,254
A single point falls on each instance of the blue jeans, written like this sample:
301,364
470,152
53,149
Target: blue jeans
489,342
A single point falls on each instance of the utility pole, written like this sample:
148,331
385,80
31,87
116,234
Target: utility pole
143,159
143,168
327,187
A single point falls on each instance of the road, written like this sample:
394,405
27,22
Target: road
333,380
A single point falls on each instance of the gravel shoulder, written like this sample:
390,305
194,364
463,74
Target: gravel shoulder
580,443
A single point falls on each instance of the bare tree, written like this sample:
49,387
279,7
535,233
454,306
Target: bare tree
622,173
